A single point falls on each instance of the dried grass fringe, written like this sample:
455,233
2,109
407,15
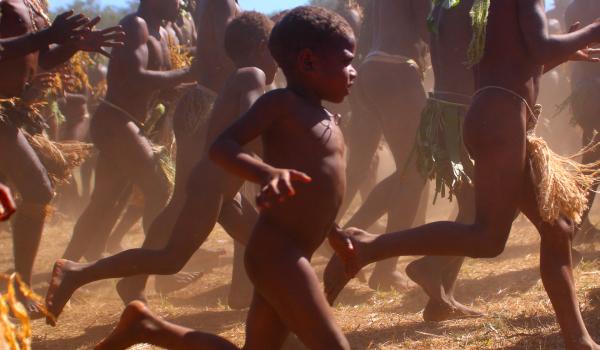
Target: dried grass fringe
59,158
17,336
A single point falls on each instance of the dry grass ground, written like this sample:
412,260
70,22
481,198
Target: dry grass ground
508,289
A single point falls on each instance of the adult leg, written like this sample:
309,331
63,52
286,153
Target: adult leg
499,155
31,179
557,272
139,325
396,91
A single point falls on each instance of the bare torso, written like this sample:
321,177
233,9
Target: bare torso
449,46
395,29
124,90
306,138
507,62
17,20
211,20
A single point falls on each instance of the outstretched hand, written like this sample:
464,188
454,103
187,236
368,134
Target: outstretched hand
68,26
588,54
92,40
7,203
278,187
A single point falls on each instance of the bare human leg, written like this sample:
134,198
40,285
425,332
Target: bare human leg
24,168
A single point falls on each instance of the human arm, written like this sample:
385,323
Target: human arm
227,150
547,49
66,26
131,60
224,11
89,40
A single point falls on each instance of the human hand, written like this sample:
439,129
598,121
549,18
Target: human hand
92,40
67,27
586,54
278,187
7,203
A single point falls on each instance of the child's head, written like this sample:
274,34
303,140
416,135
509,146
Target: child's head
314,47
246,42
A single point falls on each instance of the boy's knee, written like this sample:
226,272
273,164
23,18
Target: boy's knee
561,231
172,264
41,194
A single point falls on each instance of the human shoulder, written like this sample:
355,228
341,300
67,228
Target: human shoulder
249,78
136,29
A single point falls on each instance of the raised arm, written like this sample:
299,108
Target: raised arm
224,11
547,49
132,59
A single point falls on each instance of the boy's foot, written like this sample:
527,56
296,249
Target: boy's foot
62,287
129,331
347,261
390,281
167,284
129,292
444,311
34,310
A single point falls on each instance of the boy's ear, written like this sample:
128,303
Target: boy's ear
306,60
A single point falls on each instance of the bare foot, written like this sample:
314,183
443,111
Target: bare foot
171,283
62,287
452,310
34,310
429,279
390,281
347,261
130,329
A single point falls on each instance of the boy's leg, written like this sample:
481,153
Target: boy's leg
285,279
264,328
31,179
238,217
557,272
189,232
139,325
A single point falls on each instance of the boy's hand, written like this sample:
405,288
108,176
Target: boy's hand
278,187
7,203
67,27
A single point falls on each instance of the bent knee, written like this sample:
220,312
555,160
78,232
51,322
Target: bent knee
490,241
41,194
562,230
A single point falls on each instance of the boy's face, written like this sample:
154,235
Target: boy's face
334,72
170,9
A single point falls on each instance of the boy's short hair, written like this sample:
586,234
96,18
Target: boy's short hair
245,33
305,27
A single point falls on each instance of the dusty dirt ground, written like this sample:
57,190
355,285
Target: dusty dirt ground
508,289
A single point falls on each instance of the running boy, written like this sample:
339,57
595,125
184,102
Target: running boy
210,191
303,181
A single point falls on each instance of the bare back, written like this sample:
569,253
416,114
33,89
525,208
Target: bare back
151,54
212,17
586,12
449,44
398,28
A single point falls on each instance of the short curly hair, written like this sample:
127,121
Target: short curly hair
245,33
306,27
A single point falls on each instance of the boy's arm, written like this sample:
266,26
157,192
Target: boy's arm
548,49
224,12
227,150
133,59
